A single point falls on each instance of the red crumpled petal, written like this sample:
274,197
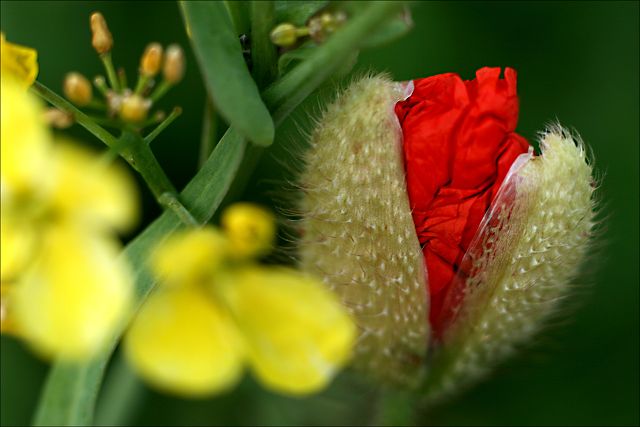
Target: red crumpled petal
459,143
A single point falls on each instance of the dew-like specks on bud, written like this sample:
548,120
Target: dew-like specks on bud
358,234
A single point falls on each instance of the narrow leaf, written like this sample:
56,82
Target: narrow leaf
239,13
226,76
263,52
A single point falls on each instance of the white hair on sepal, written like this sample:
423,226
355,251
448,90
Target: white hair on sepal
358,233
516,289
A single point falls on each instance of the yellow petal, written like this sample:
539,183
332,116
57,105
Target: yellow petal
250,229
296,331
183,343
73,295
86,188
25,142
17,240
19,63
190,257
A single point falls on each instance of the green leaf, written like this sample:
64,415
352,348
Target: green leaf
297,12
226,76
294,57
239,13
263,52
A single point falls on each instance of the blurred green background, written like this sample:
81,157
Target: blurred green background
576,61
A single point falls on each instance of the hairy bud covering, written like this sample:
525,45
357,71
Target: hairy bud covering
359,236
358,231
528,249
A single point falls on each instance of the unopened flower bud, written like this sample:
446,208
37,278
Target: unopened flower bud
173,69
249,228
101,40
450,244
77,89
151,60
358,234
284,35
134,108
101,83
325,24
57,118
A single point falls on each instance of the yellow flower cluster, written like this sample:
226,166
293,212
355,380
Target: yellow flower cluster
64,289
217,311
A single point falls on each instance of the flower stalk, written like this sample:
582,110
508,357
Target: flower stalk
133,148
175,113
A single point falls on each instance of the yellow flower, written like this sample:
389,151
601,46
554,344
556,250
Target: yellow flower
99,195
191,257
182,341
194,339
19,63
296,331
60,206
25,141
72,294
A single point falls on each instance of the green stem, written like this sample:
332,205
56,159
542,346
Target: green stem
137,152
122,78
111,72
105,121
101,85
140,157
170,201
81,118
163,125
162,88
132,148
142,83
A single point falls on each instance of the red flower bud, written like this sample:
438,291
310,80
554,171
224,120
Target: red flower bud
446,238
459,143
